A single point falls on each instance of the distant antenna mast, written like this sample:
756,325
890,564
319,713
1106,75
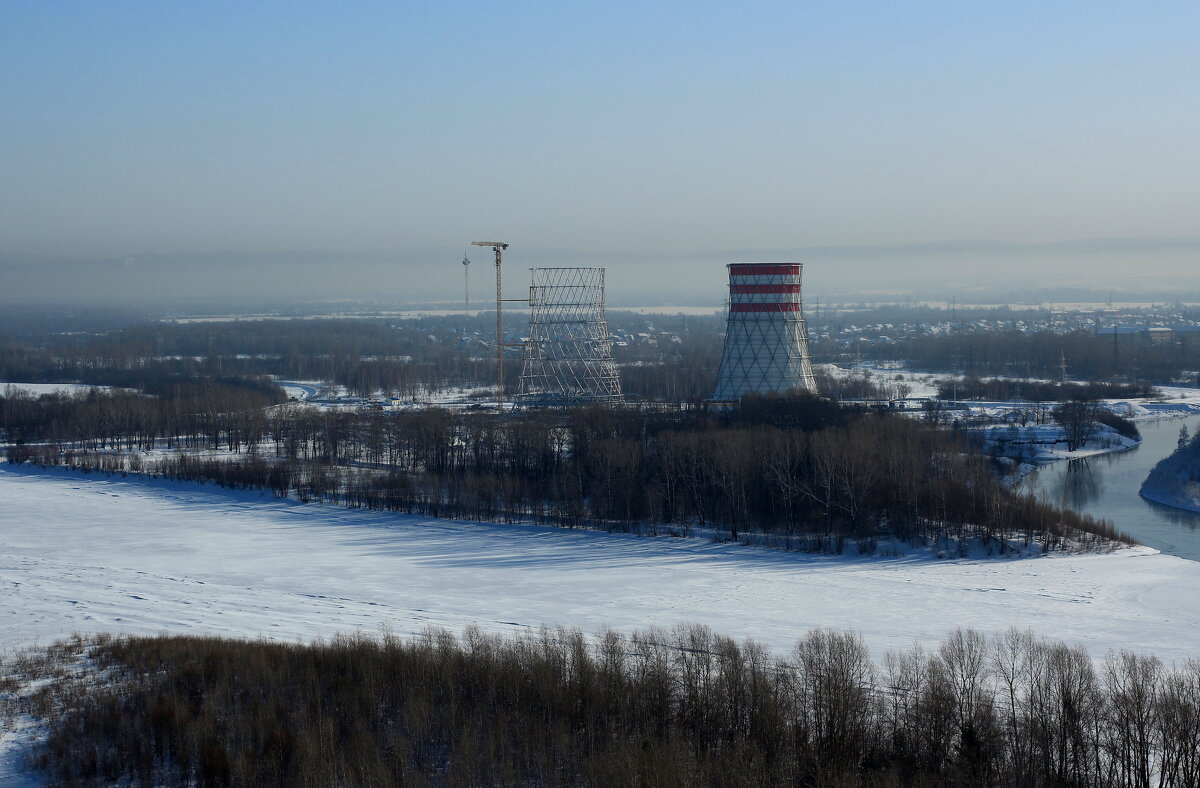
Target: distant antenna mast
498,247
466,283
1063,366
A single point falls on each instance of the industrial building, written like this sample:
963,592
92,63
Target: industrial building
766,344
1150,335
568,353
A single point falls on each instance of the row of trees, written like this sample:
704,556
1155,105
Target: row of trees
174,412
680,707
1001,389
1040,354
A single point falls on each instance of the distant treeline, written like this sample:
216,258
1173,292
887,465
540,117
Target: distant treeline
801,468
1001,389
367,357
1040,354
400,358
660,358
683,707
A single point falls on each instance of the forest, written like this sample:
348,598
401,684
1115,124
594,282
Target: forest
797,472
1175,480
678,707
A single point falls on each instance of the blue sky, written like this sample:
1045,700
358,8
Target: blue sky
607,131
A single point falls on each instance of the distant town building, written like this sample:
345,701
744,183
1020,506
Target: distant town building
1150,335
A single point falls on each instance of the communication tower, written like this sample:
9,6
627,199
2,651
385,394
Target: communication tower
766,344
568,356
466,283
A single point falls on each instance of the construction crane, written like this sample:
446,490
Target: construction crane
498,247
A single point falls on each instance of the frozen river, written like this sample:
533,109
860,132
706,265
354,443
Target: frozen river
1107,486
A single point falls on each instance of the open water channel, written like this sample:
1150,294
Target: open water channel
1107,486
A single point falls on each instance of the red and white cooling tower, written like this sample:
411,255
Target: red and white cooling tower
766,347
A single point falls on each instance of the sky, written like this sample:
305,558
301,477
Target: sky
354,149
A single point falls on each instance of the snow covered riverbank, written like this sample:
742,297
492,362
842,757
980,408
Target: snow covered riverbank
93,554
1175,480
1187,498
1040,444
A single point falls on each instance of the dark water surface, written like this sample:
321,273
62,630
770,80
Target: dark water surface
1107,486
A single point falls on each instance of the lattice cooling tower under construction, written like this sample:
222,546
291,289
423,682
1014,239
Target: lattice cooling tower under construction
766,347
568,356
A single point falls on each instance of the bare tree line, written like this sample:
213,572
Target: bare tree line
681,707
172,413
999,389
1041,353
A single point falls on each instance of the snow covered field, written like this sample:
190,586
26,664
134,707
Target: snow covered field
324,395
38,389
1174,401
92,554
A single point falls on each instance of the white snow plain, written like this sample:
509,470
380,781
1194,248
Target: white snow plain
88,553
38,389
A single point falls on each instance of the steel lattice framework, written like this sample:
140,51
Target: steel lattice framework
766,344
568,356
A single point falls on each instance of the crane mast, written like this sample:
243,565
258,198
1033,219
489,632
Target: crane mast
498,247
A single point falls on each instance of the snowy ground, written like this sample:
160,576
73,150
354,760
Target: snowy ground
38,389
17,737
1186,497
993,420
94,554
920,385
323,395
1048,442
300,389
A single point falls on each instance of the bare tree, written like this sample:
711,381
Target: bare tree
1078,420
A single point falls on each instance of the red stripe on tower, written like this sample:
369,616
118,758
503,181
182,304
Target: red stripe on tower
755,269
789,306
764,288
